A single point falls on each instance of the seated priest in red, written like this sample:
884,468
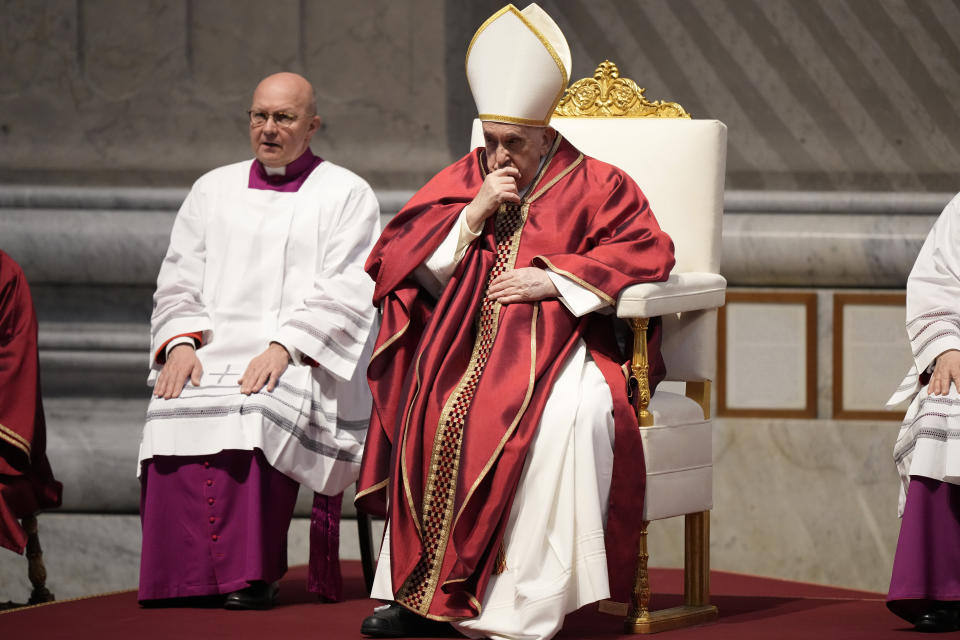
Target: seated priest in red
259,336
26,481
502,442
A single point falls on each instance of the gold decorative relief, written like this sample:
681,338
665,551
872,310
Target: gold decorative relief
606,95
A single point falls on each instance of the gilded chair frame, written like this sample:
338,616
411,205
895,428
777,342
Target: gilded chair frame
608,95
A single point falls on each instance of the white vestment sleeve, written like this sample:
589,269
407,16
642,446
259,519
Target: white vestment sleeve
933,292
435,272
331,325
178,306
933,289
578,300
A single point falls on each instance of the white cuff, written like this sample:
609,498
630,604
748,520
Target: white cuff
435,272
178,341
296,356
578,300
466,235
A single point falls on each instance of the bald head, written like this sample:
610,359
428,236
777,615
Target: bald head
290,86
279,141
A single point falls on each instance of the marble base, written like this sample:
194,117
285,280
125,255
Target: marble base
807,500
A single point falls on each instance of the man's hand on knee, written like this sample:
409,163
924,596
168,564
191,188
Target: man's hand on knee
947,370
182,363
265,369
526,284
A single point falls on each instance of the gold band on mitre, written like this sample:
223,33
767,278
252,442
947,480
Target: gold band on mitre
518,65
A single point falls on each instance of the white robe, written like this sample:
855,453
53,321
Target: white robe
554,541
246,267
929,440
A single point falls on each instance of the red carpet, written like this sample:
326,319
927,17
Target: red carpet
750,608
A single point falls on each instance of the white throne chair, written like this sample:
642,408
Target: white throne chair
679,164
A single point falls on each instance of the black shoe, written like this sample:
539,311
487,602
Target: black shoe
937,621
259,595
397,622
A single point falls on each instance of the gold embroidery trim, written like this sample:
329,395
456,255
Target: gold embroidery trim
475,603
403,448
15,439
583,283
390,341
557,178
546,167
516,419
495,117
380,485
431,580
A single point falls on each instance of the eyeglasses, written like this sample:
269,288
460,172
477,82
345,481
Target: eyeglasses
280,118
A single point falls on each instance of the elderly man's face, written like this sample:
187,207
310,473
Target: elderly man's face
286,100
519,146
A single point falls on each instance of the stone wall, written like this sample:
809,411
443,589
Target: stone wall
155,92
817,94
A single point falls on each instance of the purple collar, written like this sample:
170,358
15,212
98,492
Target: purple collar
296,174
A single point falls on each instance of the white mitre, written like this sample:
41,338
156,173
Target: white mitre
518,65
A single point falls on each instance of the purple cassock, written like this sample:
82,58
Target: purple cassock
926,568
212,524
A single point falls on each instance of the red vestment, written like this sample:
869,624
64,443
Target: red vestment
26,481
459,384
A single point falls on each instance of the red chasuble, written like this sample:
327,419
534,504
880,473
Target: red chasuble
459,384
26,482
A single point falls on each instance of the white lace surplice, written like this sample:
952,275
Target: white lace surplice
929,440
246,267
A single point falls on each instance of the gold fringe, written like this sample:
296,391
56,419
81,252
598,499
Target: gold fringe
501,564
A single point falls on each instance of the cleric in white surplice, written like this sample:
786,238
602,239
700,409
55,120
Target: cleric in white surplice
259,348
925,582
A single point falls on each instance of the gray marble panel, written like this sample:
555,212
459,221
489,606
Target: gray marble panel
380,85
246,37
778,239
92,445
883,203
121,59
821,250
808,500
44,34
105,247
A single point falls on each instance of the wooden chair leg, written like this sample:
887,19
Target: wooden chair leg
696,559
36,570
367,561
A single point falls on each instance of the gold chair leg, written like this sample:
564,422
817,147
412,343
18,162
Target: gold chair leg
640,596
36,570
696,607
639,367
